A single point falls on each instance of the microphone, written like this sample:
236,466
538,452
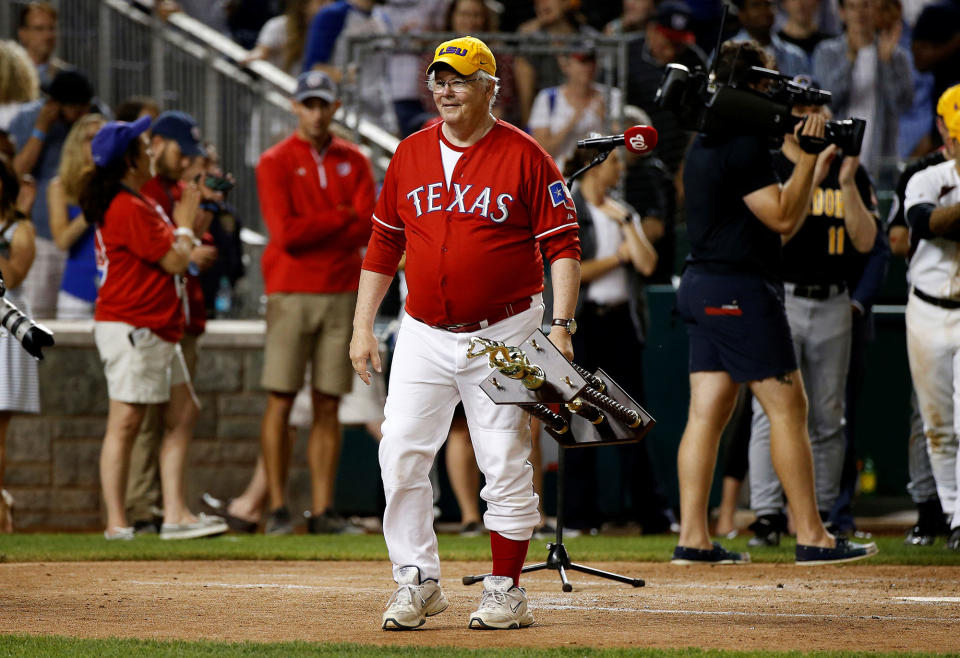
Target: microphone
636,139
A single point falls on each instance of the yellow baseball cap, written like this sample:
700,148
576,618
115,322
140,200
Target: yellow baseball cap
465,55
949,103
952,121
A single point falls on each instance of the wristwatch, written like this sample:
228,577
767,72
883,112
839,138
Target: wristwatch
567,323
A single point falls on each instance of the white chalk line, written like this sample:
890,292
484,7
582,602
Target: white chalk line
736,613
548,605
928,599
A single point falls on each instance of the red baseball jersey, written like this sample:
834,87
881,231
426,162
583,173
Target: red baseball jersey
317,208
135,289
165,194
473,246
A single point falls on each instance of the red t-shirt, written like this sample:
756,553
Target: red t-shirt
134,236
317,209
166,194
475,247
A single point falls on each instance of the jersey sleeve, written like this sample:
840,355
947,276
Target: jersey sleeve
388,239
921,189
752,165
553,216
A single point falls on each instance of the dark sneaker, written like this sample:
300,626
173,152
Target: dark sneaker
219,507
330,523
920,535
546,531
278,522
767,529
146,527
716,555
472,529
844,551
953,543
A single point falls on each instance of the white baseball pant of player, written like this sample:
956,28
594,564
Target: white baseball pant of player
430,372
933,345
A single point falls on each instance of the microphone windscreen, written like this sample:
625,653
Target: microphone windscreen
640,139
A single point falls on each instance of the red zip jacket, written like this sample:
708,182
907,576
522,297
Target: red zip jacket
317,207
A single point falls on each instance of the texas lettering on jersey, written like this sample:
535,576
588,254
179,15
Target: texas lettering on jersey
434,197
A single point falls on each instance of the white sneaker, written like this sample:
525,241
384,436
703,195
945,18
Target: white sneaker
413,601
118,534
503,605
205,526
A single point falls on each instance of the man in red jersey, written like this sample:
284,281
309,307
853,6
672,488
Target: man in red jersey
316,195
178,158
471,201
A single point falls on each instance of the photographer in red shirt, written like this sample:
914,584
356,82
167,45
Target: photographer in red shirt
178,159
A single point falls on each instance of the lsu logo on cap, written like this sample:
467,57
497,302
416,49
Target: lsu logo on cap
465,55
559,194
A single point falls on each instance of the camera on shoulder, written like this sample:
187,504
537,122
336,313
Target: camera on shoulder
750,101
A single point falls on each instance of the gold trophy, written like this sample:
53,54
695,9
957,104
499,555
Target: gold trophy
593,409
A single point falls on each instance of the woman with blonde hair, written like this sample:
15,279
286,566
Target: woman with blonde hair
71,232
19,387
18,81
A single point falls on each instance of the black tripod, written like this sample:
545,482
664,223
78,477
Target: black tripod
557,556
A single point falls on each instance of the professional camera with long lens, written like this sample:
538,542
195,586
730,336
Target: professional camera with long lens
705,105
32,335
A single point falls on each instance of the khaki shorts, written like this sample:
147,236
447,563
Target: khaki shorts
139,365
309,327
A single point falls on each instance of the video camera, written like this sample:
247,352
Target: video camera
703,104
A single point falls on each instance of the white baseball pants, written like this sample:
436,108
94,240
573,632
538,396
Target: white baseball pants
429,374
933,345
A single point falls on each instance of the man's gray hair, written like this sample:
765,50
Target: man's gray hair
481,75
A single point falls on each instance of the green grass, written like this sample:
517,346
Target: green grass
92,547
26,645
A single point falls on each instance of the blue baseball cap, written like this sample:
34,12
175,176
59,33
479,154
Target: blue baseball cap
315,84
113,138
181,128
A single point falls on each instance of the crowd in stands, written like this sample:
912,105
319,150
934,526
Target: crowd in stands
69,164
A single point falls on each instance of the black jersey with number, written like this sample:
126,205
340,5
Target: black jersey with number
815,255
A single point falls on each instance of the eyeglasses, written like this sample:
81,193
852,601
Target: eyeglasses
458,85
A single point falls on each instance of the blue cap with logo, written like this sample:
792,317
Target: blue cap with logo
113,138
181,128
315,84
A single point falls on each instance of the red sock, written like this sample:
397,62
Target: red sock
508,556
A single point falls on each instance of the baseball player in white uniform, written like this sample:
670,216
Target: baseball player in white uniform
933,318
471,201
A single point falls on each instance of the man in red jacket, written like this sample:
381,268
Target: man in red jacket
316,195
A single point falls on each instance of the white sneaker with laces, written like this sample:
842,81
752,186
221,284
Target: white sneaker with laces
503,605
118,534
205,526
413,601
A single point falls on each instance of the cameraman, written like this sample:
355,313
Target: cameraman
840,221
732,302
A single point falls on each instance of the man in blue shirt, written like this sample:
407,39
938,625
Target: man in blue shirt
38,132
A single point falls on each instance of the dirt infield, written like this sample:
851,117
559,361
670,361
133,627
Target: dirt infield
857,607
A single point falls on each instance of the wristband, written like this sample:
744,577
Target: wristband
183,230
39,134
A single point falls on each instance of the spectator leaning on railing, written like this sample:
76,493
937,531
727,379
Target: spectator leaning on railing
138,321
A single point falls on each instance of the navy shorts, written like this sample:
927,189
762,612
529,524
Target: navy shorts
736,324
